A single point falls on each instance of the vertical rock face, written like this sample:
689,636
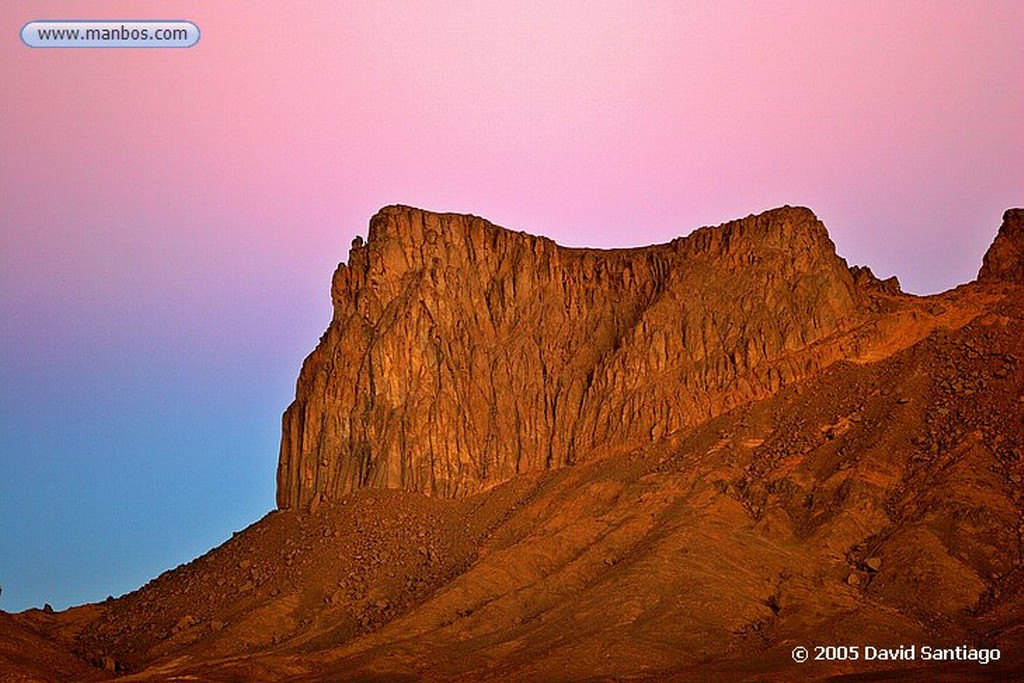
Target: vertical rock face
461,353
1004,260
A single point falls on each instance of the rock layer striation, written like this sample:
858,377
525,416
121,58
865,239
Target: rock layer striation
461,353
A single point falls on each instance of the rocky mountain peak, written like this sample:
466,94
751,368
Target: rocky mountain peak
462,353
1004,260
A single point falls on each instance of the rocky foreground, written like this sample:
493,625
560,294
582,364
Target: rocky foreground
508,460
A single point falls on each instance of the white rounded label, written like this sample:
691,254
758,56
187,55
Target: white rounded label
113,33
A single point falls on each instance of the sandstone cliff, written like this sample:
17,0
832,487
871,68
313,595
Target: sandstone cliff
461,353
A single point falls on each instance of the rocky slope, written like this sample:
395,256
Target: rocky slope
462,353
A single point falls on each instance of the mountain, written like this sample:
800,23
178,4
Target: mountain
510,460
462,354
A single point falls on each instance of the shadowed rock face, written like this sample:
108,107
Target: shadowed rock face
1004,260
461,353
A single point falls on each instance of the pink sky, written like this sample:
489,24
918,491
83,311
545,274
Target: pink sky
605,124
172,217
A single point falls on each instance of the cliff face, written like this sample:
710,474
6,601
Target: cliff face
462,353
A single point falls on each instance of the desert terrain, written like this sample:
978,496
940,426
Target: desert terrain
509,460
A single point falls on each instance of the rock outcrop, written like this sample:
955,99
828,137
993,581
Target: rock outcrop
1004,260
866,279
461,353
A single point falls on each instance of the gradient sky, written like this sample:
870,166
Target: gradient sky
170,219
